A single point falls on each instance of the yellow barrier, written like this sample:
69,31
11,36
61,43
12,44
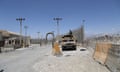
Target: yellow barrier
56,49
101,52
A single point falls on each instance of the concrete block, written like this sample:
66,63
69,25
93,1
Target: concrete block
113,60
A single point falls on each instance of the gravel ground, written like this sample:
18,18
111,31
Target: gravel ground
71,61
40,59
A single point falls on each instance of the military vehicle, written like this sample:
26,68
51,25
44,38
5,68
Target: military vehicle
68,42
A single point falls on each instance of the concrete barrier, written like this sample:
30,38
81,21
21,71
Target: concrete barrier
107,54
56,50
113,59
101,52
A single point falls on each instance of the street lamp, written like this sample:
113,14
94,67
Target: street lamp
20,20
57,19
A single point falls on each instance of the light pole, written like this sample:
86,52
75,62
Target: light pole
38,35
83,21
20,20
25,34
39,38
82,31
58,31
26,27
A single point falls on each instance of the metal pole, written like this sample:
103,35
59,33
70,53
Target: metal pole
25,34
58,27
39,38
21,27
20,32
20,19
83,21
25,30
38,34
58,30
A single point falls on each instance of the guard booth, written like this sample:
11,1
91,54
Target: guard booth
16,43
12,40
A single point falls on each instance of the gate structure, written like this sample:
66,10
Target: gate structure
51,33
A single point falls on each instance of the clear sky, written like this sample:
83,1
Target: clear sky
101,16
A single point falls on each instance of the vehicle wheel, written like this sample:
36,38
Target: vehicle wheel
74,47
63,47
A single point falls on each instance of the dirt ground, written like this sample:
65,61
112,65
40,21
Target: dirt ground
70,61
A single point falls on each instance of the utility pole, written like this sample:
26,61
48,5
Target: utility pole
83,22
82,31
39,38
25,34
38,35
20,20
58,31
26,27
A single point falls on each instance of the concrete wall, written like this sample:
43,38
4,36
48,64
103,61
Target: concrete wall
101,52
113,60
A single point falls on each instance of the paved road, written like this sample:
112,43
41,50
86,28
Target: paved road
40,59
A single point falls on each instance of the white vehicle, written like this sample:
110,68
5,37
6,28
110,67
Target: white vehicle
68,42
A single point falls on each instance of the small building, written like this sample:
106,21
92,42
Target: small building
12,39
